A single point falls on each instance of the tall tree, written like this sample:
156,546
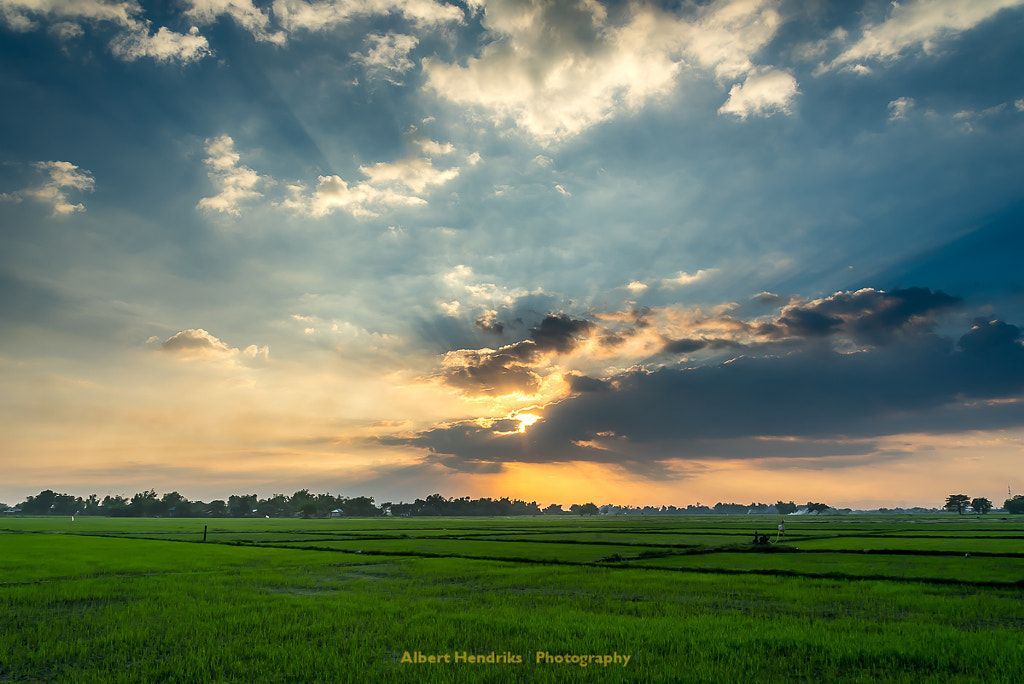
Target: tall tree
957,502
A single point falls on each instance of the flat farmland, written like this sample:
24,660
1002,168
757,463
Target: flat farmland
929,598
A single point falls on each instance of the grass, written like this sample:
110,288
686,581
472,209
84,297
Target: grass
290,601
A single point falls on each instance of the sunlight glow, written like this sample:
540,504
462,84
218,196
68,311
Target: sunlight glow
525,421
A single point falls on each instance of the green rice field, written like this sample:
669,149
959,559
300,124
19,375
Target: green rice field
854,598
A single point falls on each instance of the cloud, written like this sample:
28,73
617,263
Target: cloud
196,343
253,19
415,173
163,46
557,68
388,185
918,24
134,39
296,15
22,14
194,340
235,184
867,316
63,177
282,19
854,365
923,383
900,107
515,368
388,55
686,278
763,93
362,200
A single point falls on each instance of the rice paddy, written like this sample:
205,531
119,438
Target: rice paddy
929,598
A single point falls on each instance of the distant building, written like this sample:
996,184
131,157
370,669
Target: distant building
337,513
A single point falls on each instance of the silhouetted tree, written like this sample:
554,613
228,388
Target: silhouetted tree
48,502
144,504
1014,505
584,509
957,502
981,505
785,508
241,506
360,507
176,506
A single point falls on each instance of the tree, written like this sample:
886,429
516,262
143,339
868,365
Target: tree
817,507
1014,505
584,509
115,506
981,505
359,506
176,505
91,506
145,504
553,509
300,499
785,508
50,502
957,502
241,506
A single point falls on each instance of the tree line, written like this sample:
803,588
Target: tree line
959,503
304,503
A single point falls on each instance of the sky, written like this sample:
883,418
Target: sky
641,253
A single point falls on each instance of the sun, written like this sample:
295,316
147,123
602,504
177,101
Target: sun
525,421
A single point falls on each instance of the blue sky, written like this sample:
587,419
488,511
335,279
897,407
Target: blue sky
625,252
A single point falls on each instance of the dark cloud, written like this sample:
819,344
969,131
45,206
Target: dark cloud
511,368
489,325
868,316
559,333
769,299
684,346
921,383
498,373
583,383
687,346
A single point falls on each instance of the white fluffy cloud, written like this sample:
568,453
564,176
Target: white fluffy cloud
557,67
687,278
235,184
291,16
163,46
387,184
62,177
326,14
196,343
388,54
134,39
333,192
918,24
415,173
253,19
763,93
